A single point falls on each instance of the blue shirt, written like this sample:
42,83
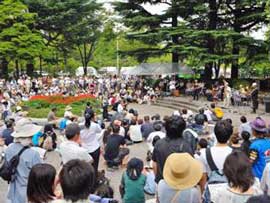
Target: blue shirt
7,136
260,154
29,158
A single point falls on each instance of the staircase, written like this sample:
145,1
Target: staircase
177,103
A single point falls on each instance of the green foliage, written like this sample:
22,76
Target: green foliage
40,109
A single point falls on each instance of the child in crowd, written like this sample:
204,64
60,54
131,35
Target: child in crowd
246,142
133,182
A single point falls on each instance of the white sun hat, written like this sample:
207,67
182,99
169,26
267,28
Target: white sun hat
27,130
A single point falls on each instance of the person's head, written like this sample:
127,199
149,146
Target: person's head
259,199
258,127
201,111
175,125
155,139
87,119
238,170
234,138
199,119
77,179
9,123
184,111
203,143
40,186
115,129
213,105
140,121
88,104
133,122
243,119
223,131
54,109
73,132
146,118
48,128
157,126
156,117
245,135
134,168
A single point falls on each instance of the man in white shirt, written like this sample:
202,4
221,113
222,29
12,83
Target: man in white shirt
152,135
71,148
223,131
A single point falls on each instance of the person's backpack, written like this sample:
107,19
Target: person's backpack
215,180
191,137
63,124
8,169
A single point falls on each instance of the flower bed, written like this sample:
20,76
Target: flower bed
39,106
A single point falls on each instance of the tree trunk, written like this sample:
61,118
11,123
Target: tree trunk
236,49
211,41
175,55
40,65
30,69
235,65
4,67
17,68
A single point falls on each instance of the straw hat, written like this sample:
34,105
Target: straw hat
68,108
182,171
27,130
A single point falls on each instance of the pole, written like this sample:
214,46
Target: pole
117,58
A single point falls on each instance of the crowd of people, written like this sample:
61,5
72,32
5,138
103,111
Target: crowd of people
191,157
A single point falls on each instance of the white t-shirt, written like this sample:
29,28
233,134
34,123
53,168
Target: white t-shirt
89,137
151,136
135,133
71,150
219,155
208,114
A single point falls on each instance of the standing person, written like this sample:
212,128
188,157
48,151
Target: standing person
71,148
227,94
40,186
259,150
133,182
52,116
254,97
27,159
172,143
89,138
182,174
238,171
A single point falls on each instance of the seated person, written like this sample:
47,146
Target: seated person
135,132
115,150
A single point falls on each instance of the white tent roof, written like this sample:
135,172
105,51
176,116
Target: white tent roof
90,71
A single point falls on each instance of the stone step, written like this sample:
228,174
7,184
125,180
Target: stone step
175,105
177,101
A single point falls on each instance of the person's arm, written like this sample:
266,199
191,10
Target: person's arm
203,182
154,165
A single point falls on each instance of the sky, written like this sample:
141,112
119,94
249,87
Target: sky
157,9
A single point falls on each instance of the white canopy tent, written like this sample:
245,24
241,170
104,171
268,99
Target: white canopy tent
90,71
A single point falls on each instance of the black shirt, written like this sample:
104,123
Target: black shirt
113,145
164,148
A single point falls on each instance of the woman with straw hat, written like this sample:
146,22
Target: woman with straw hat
28,158
181,175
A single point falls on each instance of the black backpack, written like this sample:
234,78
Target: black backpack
8,169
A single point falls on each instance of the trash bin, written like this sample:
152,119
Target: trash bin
267,104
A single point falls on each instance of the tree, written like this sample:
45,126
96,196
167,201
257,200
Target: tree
17,38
